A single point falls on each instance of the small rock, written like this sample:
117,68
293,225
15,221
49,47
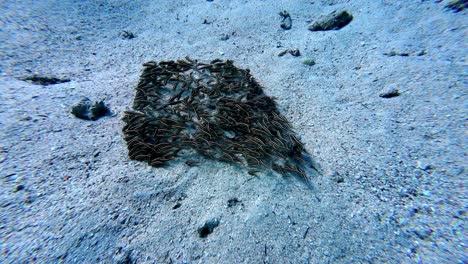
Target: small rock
294,52
282,53
86,110
334,21
389,94
286,23
19,188
422,52
127,35
233,201
338,178
308,61
25,118
208,228
395,53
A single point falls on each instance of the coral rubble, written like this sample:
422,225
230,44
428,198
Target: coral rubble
216,109
286,22
87,110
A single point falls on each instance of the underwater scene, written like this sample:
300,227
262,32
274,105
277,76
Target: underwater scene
233,131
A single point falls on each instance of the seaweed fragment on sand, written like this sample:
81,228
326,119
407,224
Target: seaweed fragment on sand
457,5
215,109
43,80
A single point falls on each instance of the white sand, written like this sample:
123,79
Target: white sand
392,189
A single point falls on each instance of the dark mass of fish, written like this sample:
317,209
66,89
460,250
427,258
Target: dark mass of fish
215,109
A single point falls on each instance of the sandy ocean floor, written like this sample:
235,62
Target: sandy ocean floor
393,181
